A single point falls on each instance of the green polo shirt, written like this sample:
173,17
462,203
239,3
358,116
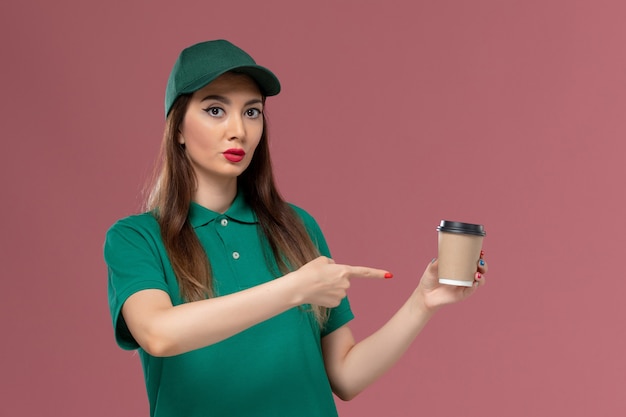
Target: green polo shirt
272,369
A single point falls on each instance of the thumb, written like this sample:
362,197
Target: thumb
433,266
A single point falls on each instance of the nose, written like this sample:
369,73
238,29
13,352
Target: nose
236,127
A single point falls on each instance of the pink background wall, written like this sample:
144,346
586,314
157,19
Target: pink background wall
394,115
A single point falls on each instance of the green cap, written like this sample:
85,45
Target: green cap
203,62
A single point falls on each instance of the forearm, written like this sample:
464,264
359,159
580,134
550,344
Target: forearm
164,330
352,367
167,330
367,360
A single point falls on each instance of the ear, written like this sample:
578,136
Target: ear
181,139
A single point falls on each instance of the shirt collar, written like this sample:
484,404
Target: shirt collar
239,211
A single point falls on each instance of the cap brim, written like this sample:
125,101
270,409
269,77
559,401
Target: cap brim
266,80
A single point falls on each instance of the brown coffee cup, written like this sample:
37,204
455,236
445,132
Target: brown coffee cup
459,252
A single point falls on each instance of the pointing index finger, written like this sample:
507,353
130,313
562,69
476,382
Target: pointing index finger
366,272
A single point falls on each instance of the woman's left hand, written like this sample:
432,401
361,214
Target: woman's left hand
434,295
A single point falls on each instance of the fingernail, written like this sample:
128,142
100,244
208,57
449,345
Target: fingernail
481,262
388,275
482,253
433,261
478,275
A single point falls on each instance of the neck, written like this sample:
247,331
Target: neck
216,197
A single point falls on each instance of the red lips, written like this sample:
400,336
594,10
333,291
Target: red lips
234,154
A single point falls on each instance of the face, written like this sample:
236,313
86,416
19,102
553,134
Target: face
222,128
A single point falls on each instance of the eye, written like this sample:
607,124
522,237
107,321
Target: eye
215,111
253,113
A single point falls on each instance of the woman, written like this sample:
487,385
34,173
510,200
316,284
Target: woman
228,292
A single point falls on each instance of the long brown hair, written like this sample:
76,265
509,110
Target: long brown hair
170,197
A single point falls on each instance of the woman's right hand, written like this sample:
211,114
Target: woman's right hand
323,282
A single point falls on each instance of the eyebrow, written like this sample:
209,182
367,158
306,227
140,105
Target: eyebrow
225,100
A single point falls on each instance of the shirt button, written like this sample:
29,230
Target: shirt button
235,255
224,222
